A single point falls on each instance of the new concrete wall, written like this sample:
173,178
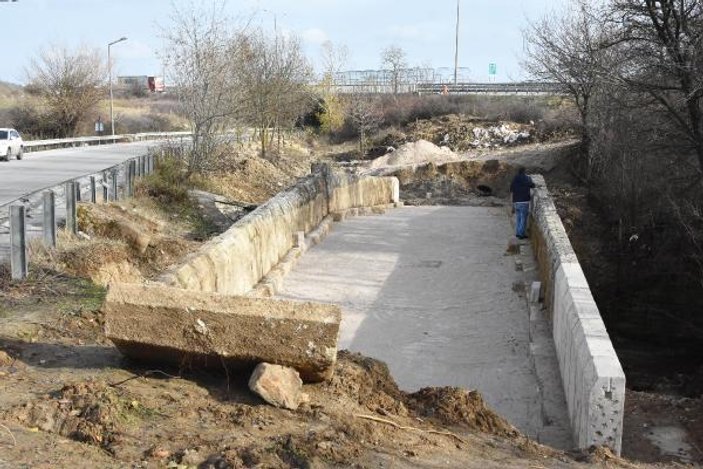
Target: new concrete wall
235,261
594,382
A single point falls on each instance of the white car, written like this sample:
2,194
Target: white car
11,144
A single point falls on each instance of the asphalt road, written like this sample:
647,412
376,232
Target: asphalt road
49,169
45,169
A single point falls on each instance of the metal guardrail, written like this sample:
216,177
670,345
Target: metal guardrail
527,87
109,184
39,145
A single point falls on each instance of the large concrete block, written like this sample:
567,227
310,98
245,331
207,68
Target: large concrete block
162,324
594,381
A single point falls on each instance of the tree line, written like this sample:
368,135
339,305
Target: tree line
634,69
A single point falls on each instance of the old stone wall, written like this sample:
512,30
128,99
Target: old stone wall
593,379
234,262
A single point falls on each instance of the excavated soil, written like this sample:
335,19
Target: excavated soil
483,183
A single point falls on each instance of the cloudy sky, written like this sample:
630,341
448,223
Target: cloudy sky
490,30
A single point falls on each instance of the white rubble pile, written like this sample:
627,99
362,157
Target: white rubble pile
505,134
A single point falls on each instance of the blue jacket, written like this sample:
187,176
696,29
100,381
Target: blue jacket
520,187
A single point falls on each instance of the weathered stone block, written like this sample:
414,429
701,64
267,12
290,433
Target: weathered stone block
169,325
280,386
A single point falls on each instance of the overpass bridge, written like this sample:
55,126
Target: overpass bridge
487,88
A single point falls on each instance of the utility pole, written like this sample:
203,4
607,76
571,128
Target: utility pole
456,45
109,69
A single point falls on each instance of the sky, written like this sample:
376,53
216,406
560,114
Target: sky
490,30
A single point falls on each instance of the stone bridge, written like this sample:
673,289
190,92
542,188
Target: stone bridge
432,291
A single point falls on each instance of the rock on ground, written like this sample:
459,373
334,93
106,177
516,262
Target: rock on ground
278,385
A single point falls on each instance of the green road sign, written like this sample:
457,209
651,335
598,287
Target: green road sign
492,69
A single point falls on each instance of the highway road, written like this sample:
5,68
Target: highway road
49,169
44,169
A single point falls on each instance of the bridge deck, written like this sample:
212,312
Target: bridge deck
431,291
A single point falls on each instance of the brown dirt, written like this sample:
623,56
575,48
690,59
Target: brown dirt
456,183
460,407
128,242
249,179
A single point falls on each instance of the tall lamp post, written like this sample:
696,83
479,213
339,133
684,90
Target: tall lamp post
456,45
109,67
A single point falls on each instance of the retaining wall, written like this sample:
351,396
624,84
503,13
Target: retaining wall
593,379
234,262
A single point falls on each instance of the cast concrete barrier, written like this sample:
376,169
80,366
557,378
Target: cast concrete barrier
593,379
234,262
186,328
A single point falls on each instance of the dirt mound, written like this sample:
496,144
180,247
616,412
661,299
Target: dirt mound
455,406
415,153
90,412
247,178
467,182
367,382
87,258
123,244
115,222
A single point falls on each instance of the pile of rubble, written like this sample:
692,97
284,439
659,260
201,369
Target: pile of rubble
464,133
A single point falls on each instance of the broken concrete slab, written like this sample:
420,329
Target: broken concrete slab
280,386
162,324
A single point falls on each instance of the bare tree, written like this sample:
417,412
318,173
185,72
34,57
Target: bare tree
661,42
394,59
70,83
570,48
364,114
275,75
203,51
334,59
332,114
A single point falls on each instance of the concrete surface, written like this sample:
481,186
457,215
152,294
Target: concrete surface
158,324
431,291
593,379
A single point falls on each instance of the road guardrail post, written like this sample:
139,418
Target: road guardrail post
106,187
49,215
18,242
78,190
115,188
71,212
128,178
93,190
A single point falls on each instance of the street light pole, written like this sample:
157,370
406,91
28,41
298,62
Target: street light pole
456,44
109,68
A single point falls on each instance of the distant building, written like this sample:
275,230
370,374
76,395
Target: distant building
143,82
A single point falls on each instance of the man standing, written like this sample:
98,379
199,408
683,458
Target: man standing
520,188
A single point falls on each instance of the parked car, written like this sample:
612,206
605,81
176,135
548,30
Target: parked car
11,144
